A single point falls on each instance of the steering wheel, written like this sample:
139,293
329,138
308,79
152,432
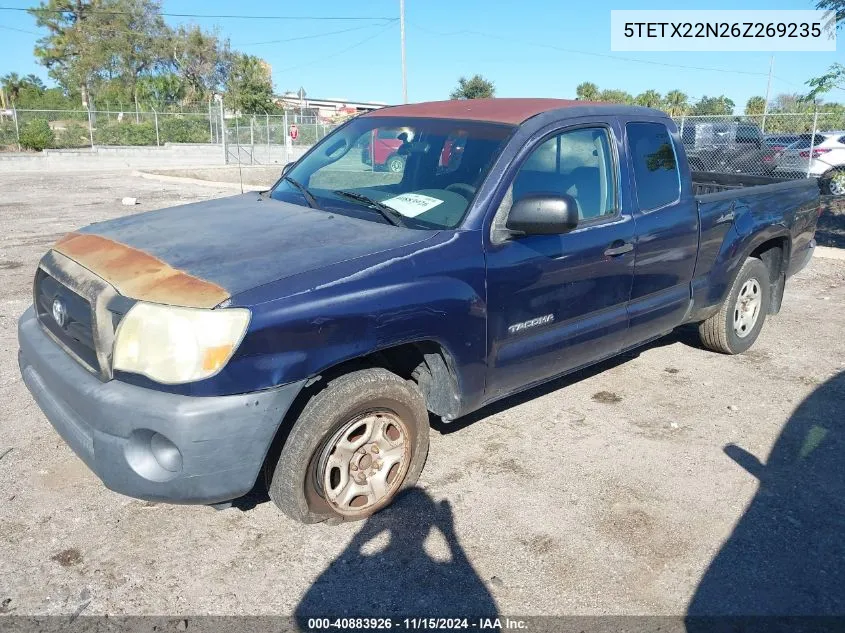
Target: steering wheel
467,191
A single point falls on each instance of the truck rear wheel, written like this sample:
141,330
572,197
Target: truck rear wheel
357,443
737,324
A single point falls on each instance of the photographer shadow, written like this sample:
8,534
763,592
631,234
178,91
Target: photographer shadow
786,555
387,570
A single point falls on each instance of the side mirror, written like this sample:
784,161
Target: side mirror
543,215
287,167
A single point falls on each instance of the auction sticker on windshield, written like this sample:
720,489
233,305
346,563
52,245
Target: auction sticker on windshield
412,204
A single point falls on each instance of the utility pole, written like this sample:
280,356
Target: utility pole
402,37
768,94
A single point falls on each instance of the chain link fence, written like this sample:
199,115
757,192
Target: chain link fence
253,140
267,139
778,145
75,129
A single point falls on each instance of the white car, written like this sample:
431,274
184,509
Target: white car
826,162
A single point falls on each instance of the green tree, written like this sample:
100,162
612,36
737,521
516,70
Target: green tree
249,87
835,75
755,105
201,59
720,105
72,51
162,90
649,99
476,87
136,46
12,84
789,103
587,91
34,82
832,79
615,96
677,103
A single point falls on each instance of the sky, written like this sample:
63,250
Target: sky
528,48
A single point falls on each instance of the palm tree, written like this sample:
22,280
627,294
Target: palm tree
650,99
587,91
12,85
677,103
34,81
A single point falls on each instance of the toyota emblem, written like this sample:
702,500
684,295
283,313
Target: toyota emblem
59,311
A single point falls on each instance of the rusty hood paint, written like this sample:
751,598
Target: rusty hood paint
201,254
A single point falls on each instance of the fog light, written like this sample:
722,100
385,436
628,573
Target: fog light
152,455
166,453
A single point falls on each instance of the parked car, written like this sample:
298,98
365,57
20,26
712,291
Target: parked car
779,142
381,149
823,153
727,147
303,335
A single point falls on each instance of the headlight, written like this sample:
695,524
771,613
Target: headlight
175,345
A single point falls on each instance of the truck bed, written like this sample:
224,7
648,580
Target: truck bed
710,186
751,206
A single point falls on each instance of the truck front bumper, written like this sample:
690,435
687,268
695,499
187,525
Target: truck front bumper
150,444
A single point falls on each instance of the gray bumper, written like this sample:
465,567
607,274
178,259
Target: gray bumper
116,428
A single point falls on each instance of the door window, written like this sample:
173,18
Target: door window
577,163
655,165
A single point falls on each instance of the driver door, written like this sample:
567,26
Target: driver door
558,302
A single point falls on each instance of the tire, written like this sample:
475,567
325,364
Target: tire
831,186
395,164
735,327
359,410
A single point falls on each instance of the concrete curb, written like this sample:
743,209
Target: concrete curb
828,252
234,186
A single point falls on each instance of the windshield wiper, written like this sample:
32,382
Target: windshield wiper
388,213
309,197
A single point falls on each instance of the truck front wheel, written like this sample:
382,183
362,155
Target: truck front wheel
737,324
357,443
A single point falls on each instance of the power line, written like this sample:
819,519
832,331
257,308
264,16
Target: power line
201,15
310,37
11,28
340,52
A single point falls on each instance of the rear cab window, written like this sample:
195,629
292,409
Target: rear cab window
655,165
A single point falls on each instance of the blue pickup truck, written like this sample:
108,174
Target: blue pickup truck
302,336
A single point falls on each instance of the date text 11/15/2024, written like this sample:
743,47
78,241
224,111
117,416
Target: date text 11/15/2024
415,624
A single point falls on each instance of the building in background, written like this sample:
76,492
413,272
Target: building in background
325,110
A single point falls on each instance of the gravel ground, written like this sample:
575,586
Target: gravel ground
631,488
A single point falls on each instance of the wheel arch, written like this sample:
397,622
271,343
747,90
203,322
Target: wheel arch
427,362
772,245
775,253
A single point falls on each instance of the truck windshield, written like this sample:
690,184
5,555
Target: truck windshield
417,172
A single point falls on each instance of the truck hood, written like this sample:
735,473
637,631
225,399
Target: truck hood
201,254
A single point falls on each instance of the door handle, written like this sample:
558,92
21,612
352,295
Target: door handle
619,248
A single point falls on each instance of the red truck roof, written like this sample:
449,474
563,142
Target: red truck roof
493,110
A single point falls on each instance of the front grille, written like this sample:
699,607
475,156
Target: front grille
77,331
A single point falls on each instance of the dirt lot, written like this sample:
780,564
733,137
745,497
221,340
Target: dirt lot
615,491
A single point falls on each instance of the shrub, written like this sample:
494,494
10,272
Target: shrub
74,135
176,129
125,133
37,135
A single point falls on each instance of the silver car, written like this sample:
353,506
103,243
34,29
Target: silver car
823,154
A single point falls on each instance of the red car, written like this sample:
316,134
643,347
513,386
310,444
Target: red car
381,148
